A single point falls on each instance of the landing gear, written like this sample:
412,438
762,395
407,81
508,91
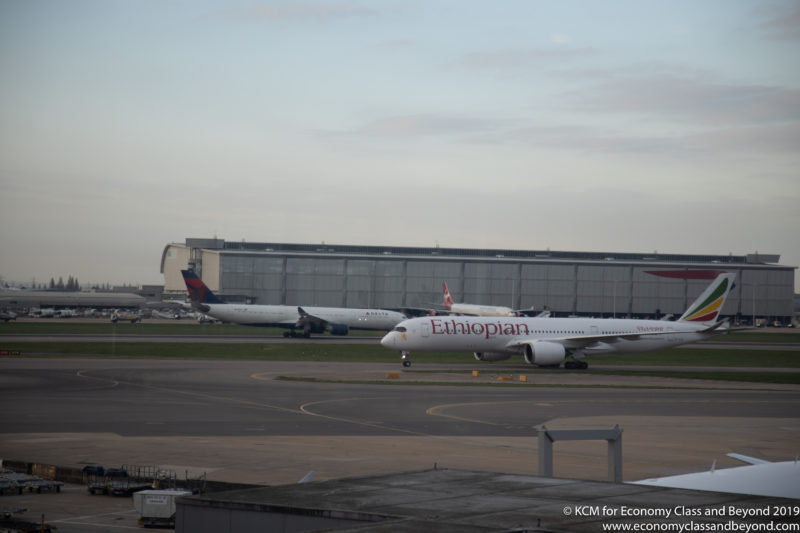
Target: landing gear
406,360
576,365
305,334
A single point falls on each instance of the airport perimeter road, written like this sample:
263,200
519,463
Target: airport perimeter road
236,422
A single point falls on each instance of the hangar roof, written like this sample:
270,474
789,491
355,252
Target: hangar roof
234,246
459,501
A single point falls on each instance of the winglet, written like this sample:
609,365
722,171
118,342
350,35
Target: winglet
199,293
709,304
448,300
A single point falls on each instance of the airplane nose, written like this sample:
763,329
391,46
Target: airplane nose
388,340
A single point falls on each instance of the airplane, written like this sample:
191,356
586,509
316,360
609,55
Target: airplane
473,309
483,310
335,320
759,478
125,316
548,342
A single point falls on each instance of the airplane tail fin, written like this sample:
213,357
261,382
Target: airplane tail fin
448,300
199,293
709,304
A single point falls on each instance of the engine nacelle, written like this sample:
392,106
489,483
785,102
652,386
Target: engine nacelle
491,356
339,329
543,353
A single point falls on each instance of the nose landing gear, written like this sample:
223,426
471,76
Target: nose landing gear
406,360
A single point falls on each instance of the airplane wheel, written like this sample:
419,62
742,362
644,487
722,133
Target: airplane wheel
576,365
406,363
286,334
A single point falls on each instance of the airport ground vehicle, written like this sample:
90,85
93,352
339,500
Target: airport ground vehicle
157,507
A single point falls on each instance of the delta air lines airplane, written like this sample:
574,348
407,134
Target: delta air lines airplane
550,341
335,320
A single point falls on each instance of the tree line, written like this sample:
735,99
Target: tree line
71,284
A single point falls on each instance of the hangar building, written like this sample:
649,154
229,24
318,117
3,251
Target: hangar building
566,283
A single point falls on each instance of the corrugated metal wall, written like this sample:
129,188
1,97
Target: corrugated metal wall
585,288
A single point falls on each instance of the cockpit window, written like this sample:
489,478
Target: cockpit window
401,329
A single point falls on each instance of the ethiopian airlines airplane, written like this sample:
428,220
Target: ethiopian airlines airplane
335,320
550,341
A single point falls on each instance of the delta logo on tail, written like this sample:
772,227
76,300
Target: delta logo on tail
711,304
198,292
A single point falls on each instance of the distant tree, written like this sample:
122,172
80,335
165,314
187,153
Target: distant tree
60,284
52,283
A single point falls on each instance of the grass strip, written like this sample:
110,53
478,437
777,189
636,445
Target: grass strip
68,327
187,327
685,357
294,351
788,378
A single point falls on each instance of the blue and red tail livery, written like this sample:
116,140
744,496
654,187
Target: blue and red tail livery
198,291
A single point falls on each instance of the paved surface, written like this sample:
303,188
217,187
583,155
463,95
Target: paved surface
236,422
458,501
316,339
74,510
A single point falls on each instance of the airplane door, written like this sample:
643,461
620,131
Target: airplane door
593,330
426,331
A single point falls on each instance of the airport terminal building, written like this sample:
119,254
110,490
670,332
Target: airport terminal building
566,283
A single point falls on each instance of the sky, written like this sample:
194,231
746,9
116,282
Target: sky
614,126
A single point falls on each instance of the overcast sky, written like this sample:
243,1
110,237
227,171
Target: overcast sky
613,126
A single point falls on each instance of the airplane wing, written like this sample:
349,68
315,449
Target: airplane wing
434,310
314,324
760,477
545,313
310,322
583,342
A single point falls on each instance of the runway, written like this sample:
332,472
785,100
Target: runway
237,422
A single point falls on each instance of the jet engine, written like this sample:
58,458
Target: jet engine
542,353
491,356
339,329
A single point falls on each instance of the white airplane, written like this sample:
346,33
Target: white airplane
335,320
549,341
473,309
760,478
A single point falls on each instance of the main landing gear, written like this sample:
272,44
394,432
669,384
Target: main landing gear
576,365
406,360
305,334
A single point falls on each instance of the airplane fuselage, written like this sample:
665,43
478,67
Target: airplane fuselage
510,334
480,310
287,315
